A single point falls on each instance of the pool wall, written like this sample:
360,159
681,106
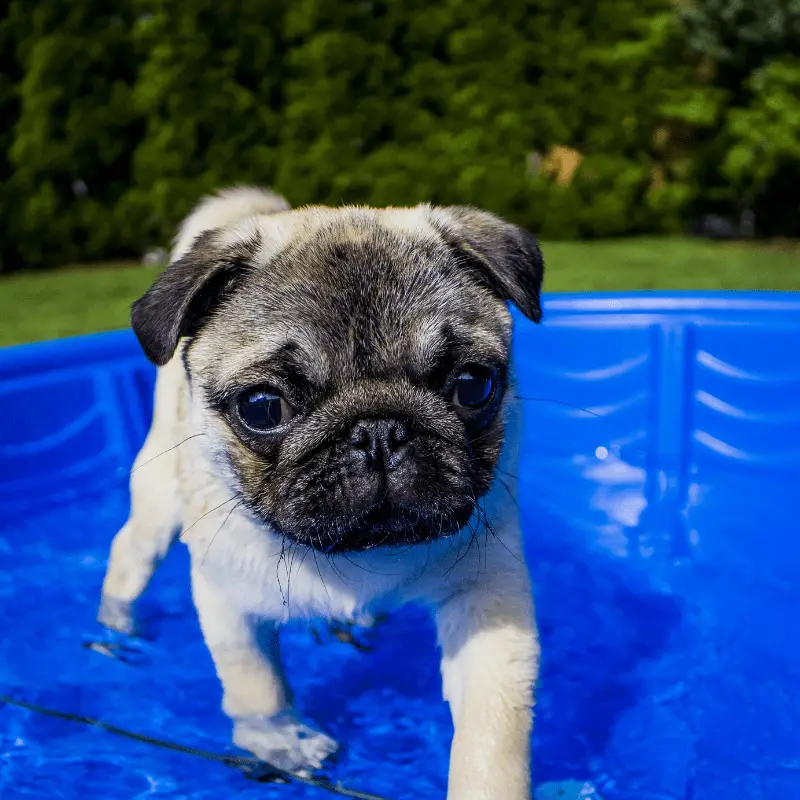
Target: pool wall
659,477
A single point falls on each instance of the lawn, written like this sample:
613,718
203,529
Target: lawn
68,301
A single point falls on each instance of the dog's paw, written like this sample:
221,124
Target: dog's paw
360,634
120,646
117,615
120,636
568,790
285,742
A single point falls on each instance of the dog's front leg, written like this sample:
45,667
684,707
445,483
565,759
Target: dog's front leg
489,667
255,695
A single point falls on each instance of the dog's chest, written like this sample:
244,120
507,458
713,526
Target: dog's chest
266,575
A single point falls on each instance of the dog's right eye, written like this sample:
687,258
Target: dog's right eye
474,387
262,409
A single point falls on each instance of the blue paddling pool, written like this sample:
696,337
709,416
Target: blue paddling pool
661,452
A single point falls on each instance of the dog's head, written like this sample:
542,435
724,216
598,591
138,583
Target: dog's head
350,364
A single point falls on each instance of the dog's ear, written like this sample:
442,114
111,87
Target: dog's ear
183,296
505,257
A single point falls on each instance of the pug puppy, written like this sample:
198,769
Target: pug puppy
335,435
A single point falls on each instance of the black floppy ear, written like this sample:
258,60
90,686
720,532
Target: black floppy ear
182,296
505,257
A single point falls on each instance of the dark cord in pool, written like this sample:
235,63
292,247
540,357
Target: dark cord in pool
252,768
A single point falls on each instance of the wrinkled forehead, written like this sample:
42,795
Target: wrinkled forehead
267,236
350,294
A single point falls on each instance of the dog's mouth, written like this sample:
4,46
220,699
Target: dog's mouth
385,525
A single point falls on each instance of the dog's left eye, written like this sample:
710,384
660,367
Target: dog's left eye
263,409
474,387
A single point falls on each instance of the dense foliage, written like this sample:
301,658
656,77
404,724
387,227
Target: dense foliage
592,118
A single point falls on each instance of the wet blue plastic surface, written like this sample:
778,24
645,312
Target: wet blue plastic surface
662,453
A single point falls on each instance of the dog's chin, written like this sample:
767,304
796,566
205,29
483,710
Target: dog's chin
381,527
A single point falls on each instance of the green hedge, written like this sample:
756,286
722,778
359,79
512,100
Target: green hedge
591,118
74,132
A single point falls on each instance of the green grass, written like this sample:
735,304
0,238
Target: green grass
635,264
69,301
66,302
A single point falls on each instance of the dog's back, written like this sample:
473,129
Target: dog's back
223,209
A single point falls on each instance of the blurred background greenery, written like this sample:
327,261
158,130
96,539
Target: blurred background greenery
582,120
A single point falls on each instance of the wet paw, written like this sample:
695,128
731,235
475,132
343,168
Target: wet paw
119,637
117,615
569,790
120,646
285,742
360,635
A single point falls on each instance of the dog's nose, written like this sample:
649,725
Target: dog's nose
381,442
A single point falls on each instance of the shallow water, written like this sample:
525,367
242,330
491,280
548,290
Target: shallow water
678,681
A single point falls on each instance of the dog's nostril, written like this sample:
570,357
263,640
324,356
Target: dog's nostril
365,440
360,438
381,440
398,435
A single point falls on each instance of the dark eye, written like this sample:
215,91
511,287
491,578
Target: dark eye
263,409
474,387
